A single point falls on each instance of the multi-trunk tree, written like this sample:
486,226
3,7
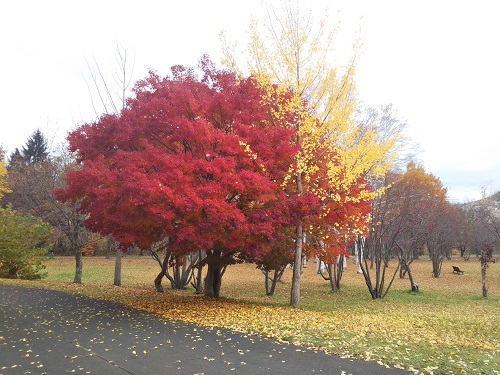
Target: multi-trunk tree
484,233
197,158
404,220
336,155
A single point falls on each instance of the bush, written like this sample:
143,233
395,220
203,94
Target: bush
23,240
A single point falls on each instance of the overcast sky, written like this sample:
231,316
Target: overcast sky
437,62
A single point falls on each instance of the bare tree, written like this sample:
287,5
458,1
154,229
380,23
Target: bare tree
385,121
109,96
409,213
377,247
440,237
485,234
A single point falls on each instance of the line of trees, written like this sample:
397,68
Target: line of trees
213,167
413,217
410,217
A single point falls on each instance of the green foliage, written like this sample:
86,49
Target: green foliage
22,242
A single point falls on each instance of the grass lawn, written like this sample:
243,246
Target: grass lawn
446,328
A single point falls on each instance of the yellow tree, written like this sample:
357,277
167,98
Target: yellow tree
297,53
3,172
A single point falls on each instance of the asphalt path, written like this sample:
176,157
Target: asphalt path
53,332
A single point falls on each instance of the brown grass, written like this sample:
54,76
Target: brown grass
244,279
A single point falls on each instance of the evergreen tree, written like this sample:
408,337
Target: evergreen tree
36,148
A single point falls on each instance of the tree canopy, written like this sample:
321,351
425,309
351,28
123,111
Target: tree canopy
36,148
194,158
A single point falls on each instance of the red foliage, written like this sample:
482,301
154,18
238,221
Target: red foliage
197,159
343,213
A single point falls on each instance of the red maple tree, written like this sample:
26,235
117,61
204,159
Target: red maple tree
195,158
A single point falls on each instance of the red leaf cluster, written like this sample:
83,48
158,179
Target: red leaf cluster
197,158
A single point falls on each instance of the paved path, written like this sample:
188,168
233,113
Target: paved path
51,332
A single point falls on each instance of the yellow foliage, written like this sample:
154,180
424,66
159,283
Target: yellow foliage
296,54
3,182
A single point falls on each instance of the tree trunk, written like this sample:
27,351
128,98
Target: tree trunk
358,254
107,252
297,268
406,266
414,286
437,261
484,266
402,269
213,279
118,268
276,277
162,273
198,285
338,270
76,240
377,287
12,274
79,267
297,264
181,274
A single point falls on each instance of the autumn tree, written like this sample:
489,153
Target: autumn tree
441,236
485,232
336,158
403,221
196,158
426,214
465,222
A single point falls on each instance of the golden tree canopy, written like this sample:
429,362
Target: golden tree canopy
296,52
